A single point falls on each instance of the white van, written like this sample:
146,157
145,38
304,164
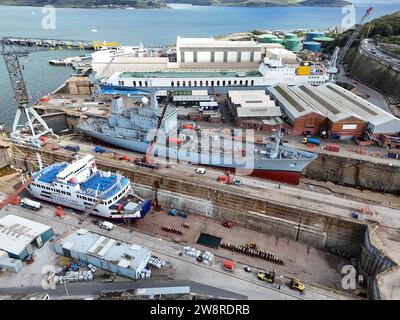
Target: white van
106,225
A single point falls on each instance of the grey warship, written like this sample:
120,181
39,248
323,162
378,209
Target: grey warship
134,127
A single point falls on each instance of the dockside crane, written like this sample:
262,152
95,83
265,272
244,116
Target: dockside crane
12,48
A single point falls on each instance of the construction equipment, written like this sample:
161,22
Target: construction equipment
267,276
12,49
343,52
295,284
228,178
165,103
251,245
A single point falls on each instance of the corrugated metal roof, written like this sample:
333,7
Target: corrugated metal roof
17,233
108,249
326,106
356,104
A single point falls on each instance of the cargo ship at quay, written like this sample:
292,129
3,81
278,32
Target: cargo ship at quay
80,185
133,128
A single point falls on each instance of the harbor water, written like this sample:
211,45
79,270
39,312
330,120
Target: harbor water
152,27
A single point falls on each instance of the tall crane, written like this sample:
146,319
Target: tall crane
343,52
12,48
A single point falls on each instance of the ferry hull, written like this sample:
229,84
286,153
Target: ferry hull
116,218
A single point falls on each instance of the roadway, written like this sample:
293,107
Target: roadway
368,47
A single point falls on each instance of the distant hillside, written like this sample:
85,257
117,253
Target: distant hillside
266,3
324,3
161,3
87,3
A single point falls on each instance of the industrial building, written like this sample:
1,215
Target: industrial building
253,109
125,259
19,236
297,101
379,121
300,115
211,53
287,57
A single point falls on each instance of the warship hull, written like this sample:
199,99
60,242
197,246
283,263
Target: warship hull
278,169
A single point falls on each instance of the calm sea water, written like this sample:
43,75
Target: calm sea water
152,27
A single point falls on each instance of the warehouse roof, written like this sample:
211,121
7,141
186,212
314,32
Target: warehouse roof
291,101
368,111
253,103
326,106
258,112
116,252
17,233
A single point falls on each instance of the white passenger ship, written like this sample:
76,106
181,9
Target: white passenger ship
270,72
80,185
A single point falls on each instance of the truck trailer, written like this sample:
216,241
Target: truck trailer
30,204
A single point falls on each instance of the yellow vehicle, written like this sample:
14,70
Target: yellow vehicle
295,284
266,276
251,245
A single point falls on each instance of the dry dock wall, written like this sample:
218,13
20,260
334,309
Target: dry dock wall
356,173
372,263
232,203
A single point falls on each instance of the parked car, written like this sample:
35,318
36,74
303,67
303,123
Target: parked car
201,170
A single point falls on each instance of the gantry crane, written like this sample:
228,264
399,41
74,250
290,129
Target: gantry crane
12,49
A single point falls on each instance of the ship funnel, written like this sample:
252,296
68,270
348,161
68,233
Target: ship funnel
117,106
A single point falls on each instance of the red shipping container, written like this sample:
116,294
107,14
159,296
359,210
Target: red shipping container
333,147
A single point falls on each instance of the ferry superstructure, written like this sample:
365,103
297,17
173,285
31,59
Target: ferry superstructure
270,72
81,186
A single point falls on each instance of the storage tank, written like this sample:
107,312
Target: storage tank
311,35
312,46
323,39
290,36
277,40
293,45
267,38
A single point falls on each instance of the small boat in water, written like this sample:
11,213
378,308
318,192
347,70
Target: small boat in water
94,29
